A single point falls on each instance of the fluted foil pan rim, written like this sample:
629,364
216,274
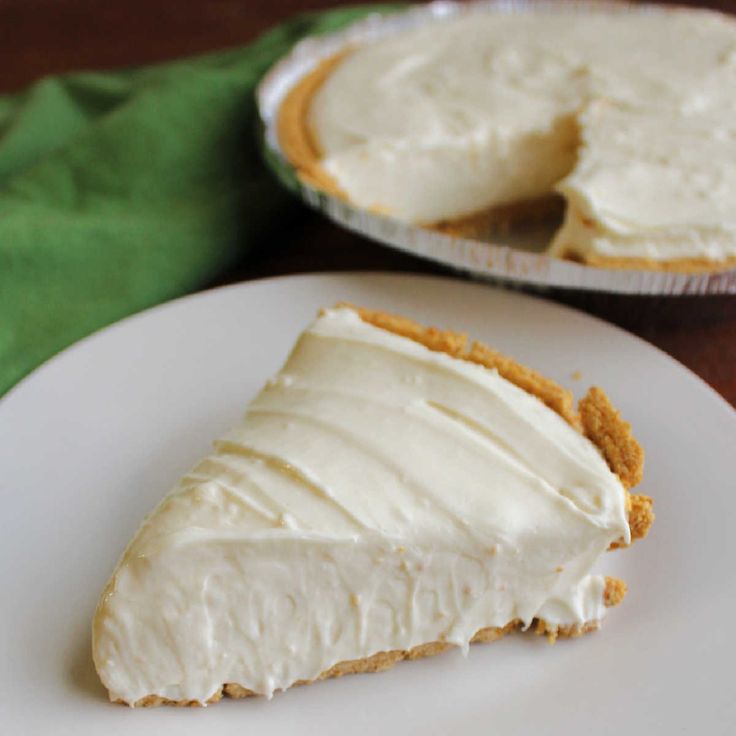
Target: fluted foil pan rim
493,261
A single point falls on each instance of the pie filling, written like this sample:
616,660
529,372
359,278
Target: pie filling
376,496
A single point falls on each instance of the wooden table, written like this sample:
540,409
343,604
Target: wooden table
46,36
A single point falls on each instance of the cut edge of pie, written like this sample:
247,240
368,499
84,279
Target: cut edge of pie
595,417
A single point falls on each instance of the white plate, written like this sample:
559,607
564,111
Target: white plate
90,442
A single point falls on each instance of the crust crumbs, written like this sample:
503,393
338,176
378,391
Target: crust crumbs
601,423
641,515
614,592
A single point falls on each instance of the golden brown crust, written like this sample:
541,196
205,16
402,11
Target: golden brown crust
680,265
152,701
641,516
607,430
604,426
295,137
614,592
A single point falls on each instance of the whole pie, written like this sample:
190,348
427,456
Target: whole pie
624,122
390,493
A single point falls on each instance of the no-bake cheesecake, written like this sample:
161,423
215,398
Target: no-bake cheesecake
390,493
629,117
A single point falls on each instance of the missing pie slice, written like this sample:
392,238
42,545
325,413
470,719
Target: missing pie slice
388,494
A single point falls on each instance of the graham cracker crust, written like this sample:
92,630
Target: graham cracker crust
596,418
682,265
294,134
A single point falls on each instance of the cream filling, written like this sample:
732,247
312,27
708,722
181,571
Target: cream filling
466,114
376,496
641,189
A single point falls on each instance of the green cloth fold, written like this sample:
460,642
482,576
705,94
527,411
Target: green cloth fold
121,190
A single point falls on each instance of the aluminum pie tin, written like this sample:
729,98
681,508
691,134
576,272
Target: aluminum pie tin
514,257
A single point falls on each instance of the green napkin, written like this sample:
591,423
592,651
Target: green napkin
120,190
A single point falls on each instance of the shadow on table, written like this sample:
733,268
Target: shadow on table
637,312
81,669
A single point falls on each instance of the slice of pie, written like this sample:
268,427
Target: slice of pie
388,494
626,119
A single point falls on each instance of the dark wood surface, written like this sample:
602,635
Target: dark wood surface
39,37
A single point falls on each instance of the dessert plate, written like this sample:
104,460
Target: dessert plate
92,440
511,255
